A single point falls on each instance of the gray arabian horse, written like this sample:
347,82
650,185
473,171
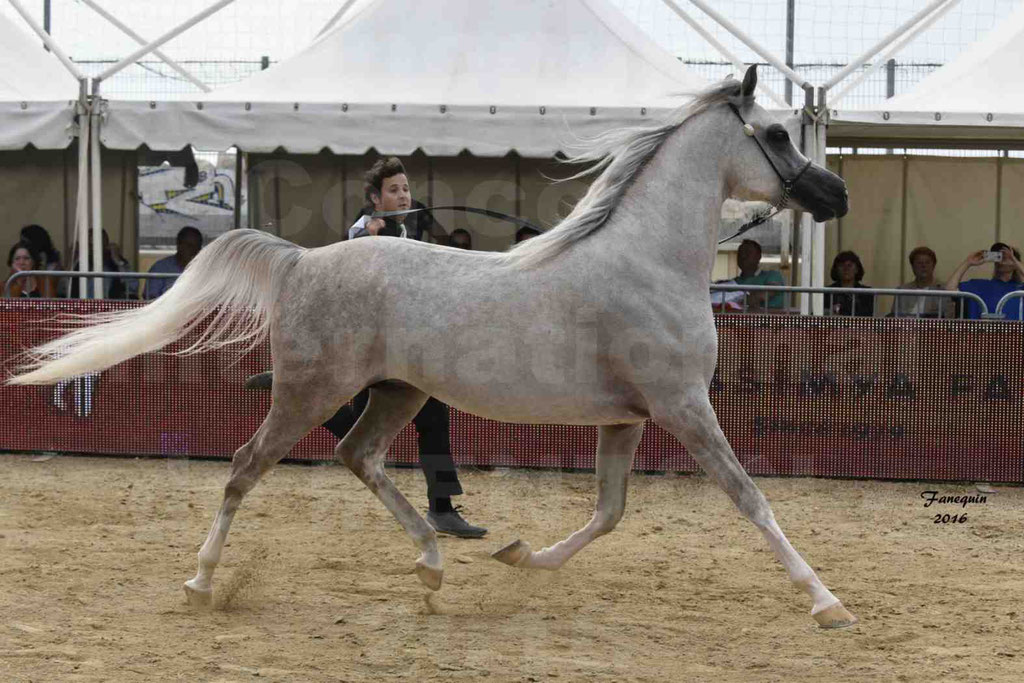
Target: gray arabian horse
604,320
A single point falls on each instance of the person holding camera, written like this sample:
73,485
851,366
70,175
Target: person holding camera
1007,276
387,189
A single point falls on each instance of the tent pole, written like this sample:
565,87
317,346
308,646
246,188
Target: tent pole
999,198
336,18
722,50
807,142
924,25
882,44
97,199
749,42
170,35
790,31
818,229
82,193
48,41
142,41
238,187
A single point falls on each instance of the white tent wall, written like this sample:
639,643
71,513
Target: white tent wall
37,94
120,184
493,77
39,186
302,198
952,205
313,199
1011,201
545,203
976,99
485,183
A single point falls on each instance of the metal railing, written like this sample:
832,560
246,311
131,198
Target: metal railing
1019,294
746,290
61,274
855,292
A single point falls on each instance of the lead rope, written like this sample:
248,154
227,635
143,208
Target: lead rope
762,217
521,222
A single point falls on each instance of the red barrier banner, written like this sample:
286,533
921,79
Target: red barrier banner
839,397
872,397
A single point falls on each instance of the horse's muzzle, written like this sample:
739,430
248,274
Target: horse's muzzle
822,193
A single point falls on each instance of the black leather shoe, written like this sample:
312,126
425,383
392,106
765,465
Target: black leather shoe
453,524
261,382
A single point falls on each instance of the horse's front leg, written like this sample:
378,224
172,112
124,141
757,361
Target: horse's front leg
692,420
616,445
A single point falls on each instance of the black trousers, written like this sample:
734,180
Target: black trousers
432,426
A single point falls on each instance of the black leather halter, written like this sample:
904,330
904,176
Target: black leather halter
787,185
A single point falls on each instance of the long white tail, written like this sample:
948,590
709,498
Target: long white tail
238,275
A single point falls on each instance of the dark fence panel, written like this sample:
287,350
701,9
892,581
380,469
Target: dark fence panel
843,397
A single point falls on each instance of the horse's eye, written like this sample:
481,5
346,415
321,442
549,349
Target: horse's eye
778,134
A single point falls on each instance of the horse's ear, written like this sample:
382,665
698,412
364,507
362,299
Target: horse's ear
749,81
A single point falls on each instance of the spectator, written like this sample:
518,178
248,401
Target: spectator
461,239
113,262
189,242
47,257
387,189
922,262
19,259
848,271
130,284
1007,275
524,233
748,258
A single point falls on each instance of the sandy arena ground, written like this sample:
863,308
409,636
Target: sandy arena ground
316,583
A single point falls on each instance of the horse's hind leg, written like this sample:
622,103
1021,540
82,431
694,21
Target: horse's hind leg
694,423
392,406
616,445
282,429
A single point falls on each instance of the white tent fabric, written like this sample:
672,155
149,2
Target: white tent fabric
979,95
487,76
37,94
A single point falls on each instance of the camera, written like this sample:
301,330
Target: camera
993,256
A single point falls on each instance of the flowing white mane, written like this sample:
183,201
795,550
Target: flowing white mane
619,155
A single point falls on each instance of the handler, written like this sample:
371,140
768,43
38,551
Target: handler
387,189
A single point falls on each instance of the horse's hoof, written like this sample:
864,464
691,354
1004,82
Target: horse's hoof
431,577
512,554
198,598
835,616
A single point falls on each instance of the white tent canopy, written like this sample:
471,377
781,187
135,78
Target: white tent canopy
488,77
37,94
978,97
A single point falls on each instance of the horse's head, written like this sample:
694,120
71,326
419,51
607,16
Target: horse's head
767,161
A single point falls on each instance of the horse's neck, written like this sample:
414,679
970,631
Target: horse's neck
672,210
